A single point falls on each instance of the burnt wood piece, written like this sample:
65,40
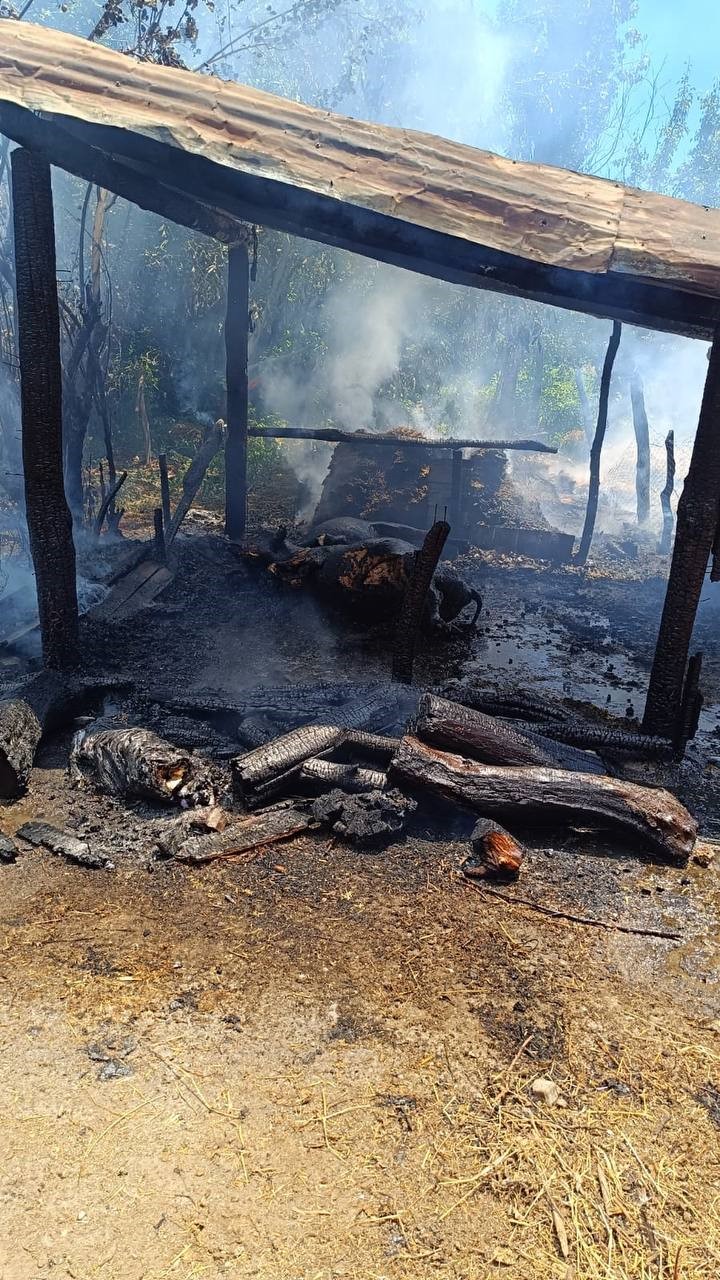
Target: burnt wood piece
164,489
597,444
652,816
8,848
373,743
457,728
64,845
240,838
194,477
351,777
38,319
136,762
97,167
692,705
44,703
715,565
496,855
107,502
642,442
666,495
373,438
456,494
159,548
364,819
276,759
411,610
614,741
697,521
501,702
236,377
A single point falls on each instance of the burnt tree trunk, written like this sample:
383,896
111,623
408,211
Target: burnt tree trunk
653,816
48,515
642,441
597,444
697,521
236,350
666,495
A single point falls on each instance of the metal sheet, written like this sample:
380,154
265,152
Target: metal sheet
545,215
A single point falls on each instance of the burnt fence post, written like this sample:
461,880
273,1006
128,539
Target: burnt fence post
48,515
236,355
697,521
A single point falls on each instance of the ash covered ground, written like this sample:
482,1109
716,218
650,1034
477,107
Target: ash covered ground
309,1063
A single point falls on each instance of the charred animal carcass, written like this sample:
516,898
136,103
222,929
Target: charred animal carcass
344,561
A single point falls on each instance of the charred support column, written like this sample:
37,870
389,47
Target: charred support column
597,444
236,352
697,520
48,515
642,441
456,479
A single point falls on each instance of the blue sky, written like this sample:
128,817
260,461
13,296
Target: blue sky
679,32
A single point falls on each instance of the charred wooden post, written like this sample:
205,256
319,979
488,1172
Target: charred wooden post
426,561
715,565
642,441
160,550
456,494
236,352
164,490
697,521
48,515
692,705
194,477
597,444
666,495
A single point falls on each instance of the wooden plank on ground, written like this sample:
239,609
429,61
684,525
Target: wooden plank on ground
134,592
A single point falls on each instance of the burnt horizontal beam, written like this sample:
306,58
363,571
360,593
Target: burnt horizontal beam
331,436
96,166
284,207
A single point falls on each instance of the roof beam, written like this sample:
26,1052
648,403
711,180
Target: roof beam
60,148
302,212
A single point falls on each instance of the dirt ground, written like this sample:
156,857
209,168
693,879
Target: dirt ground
320,1063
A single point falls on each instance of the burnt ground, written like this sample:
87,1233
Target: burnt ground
319,1063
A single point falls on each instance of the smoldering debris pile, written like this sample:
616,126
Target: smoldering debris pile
358,760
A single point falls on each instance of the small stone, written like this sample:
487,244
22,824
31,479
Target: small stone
545,1091
704,854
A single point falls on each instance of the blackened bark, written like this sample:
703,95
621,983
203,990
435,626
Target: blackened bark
697,521
597,444
236,349
48,515
642,441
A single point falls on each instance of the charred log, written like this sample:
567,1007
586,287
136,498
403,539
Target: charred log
241,838
276,759
653,816
469,732
496,855
45,703
64,845
372,743
351,777
608,741
504,702
136,762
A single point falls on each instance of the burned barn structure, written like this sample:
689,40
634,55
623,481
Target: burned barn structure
221,158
